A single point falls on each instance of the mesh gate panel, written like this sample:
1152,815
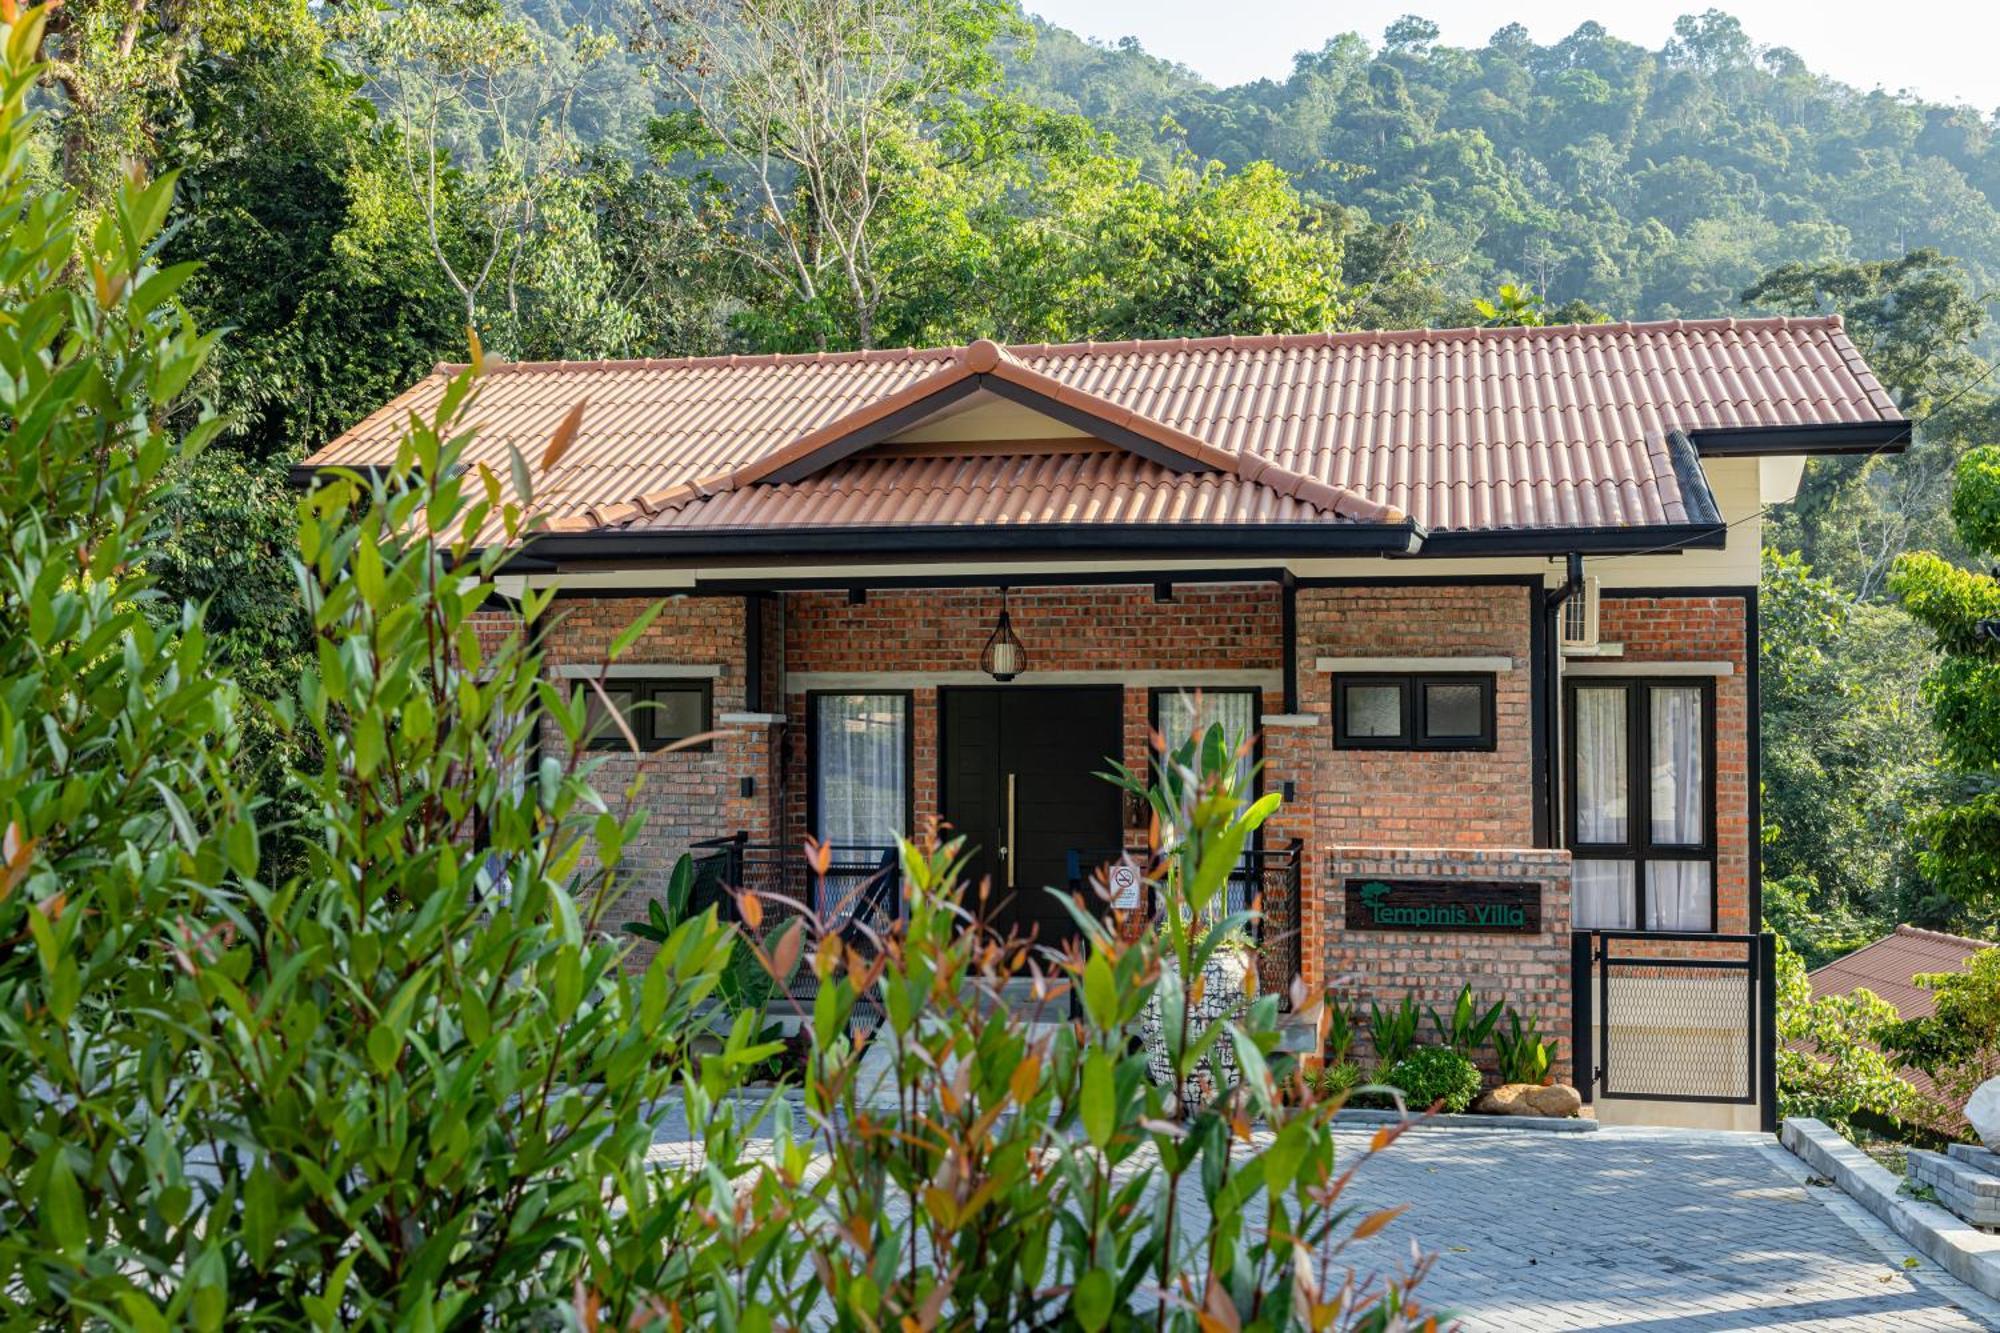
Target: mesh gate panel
1677,1028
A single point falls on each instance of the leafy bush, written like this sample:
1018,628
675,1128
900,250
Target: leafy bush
1828,1065
1431,1075
411,1083
1958,1044
1466,1030
1393,1032
1524,1057
1336,1079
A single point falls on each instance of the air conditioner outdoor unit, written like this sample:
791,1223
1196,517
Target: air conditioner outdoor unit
1579,617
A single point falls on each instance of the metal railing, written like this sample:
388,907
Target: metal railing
862,887
1267,881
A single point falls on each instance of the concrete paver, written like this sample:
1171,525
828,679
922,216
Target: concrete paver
1656,1230
1648,1231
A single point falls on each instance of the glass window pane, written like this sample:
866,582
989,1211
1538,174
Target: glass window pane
1602,895
1677,814
1677,896
1454,711
1602,760
860,768
677,714
1374,710
599,725
1235,711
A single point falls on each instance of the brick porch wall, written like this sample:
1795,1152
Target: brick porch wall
1233,627
1530,972
1416,798
687,795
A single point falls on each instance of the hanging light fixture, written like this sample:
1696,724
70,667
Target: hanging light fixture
1003,657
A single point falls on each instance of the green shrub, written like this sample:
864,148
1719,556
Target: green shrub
1524,1057
1393,1032
1431,1075
1336,1079
1828,1065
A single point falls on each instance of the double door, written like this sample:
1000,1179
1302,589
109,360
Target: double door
1022,783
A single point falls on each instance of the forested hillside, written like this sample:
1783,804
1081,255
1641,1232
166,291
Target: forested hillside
362,185
1648,183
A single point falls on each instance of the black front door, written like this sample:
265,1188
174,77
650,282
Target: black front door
1021,785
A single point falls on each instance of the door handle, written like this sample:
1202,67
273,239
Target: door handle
1007,847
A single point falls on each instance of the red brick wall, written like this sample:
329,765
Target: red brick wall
687,795
1705,629
1422,798
1236,627
1530,972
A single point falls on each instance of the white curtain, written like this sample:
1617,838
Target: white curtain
1677,895
861,768
1237,712
1677,815
1602,896
1602,760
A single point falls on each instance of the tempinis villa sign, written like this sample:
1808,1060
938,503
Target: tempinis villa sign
1497,906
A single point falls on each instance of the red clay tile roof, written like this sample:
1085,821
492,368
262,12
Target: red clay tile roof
1468,429
1889,966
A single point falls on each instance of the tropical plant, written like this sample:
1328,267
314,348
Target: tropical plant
1829,1067
1523,1056
747,981
1339,1038
1435,1076
1337,1078
1392,1032
1467,1030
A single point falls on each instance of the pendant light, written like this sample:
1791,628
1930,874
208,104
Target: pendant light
1003,657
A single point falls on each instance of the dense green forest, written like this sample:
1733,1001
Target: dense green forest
582,178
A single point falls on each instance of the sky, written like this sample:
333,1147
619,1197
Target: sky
1943,50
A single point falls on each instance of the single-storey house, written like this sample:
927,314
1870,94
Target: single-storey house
1488,597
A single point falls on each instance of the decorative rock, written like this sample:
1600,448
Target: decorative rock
1558,1100
1982,1112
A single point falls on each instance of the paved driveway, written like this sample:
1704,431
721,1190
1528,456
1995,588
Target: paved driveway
1648,1229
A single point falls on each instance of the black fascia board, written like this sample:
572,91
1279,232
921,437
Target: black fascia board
1097,539
1855,437
307,475
1649,539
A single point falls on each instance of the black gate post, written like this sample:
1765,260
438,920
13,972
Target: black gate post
1582,1058
1767,1031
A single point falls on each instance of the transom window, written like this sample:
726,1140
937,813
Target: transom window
657,711
1641,780
1425,711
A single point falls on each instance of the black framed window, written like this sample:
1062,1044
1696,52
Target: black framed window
658,710
1413,711
1640,773
861,756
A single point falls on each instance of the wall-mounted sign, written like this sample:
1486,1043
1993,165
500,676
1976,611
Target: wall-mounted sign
1125,881
1499,906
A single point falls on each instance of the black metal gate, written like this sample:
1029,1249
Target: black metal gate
1670,1017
